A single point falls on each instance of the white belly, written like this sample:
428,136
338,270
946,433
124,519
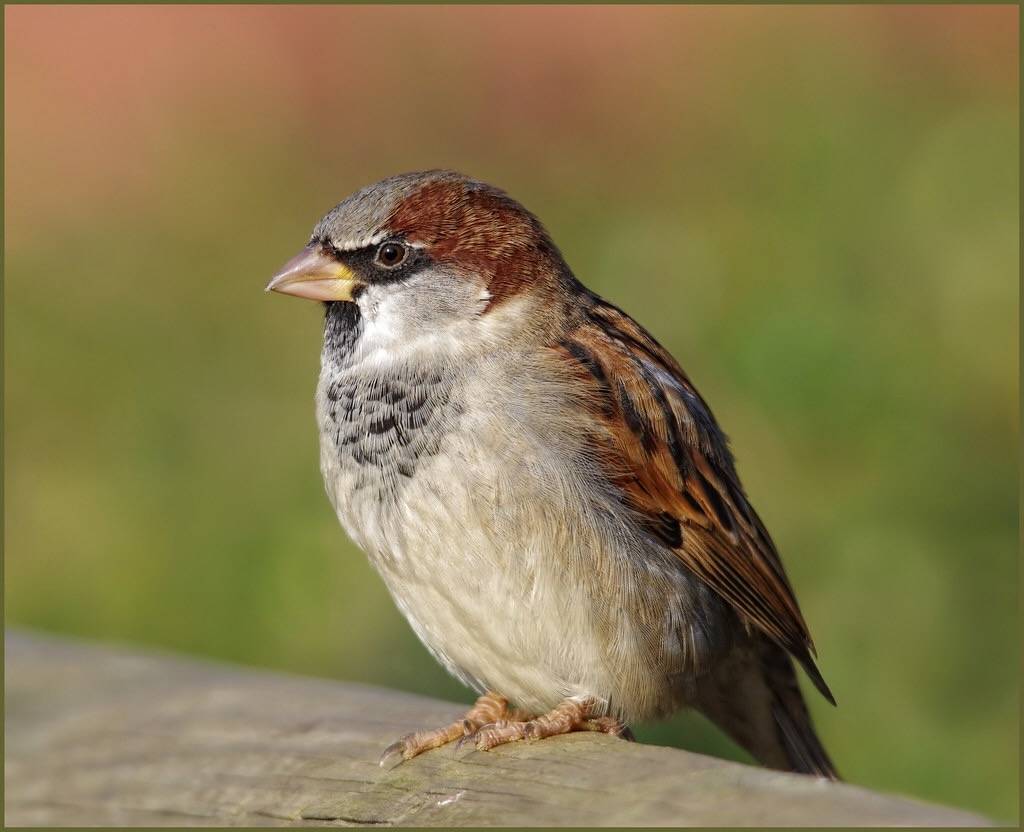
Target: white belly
470,564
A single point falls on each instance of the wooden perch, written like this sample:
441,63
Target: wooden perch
99,735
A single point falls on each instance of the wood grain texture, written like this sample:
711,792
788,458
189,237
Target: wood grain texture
99,735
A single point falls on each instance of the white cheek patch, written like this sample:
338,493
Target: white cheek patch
382,327
434,317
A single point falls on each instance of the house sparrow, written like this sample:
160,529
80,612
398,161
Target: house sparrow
546,495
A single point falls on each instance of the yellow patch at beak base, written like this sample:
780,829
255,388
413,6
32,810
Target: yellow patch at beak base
315,275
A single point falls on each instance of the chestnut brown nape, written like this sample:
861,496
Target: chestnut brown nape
481,230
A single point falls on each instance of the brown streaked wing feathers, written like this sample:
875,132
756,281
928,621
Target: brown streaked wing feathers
671,463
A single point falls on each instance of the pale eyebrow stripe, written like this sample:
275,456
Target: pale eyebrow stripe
363,242
366,242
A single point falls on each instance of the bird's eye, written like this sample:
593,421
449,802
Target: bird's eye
390,255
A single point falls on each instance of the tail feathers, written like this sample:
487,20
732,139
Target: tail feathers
804,750
755,699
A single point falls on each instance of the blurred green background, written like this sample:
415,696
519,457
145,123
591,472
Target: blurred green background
814,208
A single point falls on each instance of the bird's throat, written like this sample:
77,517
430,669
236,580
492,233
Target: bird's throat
343,324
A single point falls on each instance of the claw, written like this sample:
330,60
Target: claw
467,743
394,754
463,750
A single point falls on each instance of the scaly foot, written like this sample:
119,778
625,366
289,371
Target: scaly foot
571,715
489,708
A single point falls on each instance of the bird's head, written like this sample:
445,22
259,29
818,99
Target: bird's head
424,251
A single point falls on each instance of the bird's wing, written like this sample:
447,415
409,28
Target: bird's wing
668,459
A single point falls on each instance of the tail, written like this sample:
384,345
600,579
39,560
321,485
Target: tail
753,696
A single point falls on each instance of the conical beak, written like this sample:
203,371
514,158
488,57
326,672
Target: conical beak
315,275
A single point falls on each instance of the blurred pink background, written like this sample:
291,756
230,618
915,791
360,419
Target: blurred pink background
96,96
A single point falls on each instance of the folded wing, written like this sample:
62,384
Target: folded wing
671,464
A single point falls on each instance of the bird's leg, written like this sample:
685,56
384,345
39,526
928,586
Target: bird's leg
489,708
571,715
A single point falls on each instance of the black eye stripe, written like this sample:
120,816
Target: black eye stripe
366,262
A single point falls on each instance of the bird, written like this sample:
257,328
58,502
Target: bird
544,492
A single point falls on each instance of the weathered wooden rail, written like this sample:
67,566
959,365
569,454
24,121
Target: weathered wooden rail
97,735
